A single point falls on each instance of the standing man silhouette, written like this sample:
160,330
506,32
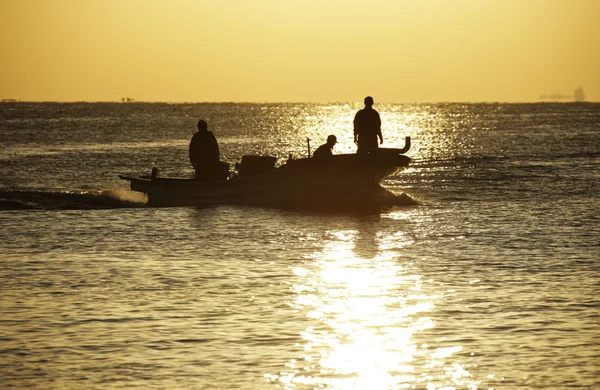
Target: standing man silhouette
204,153
367,127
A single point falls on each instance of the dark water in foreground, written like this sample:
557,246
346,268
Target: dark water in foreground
490,281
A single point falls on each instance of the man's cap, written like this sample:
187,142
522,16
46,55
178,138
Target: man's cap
332,139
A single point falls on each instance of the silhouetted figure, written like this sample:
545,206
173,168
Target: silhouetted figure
204,153
325,150
367,127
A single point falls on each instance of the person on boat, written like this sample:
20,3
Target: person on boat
325,150
204,153
367,127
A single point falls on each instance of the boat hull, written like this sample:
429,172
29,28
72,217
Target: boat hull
342,181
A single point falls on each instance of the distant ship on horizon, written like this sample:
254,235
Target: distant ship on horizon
578,96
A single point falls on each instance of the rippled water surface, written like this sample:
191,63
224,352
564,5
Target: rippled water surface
490,281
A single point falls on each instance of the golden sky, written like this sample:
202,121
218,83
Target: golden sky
298,50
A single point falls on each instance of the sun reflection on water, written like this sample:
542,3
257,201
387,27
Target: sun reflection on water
364,313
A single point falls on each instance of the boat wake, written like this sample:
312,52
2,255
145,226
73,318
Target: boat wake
122,198
387,197
71,200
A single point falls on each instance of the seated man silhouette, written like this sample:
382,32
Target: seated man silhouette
324,151
204,153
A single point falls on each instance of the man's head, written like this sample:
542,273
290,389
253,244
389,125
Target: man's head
368,101
202,125
331,140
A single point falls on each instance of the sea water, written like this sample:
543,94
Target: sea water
489,280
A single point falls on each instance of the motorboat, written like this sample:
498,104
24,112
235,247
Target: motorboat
339,181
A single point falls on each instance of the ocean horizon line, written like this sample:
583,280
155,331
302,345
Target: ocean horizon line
9,101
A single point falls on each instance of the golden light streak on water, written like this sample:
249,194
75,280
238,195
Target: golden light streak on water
364,313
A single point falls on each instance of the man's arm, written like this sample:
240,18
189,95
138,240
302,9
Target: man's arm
379,128
192,150
215,147
355,128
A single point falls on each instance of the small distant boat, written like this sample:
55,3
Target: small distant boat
342,181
